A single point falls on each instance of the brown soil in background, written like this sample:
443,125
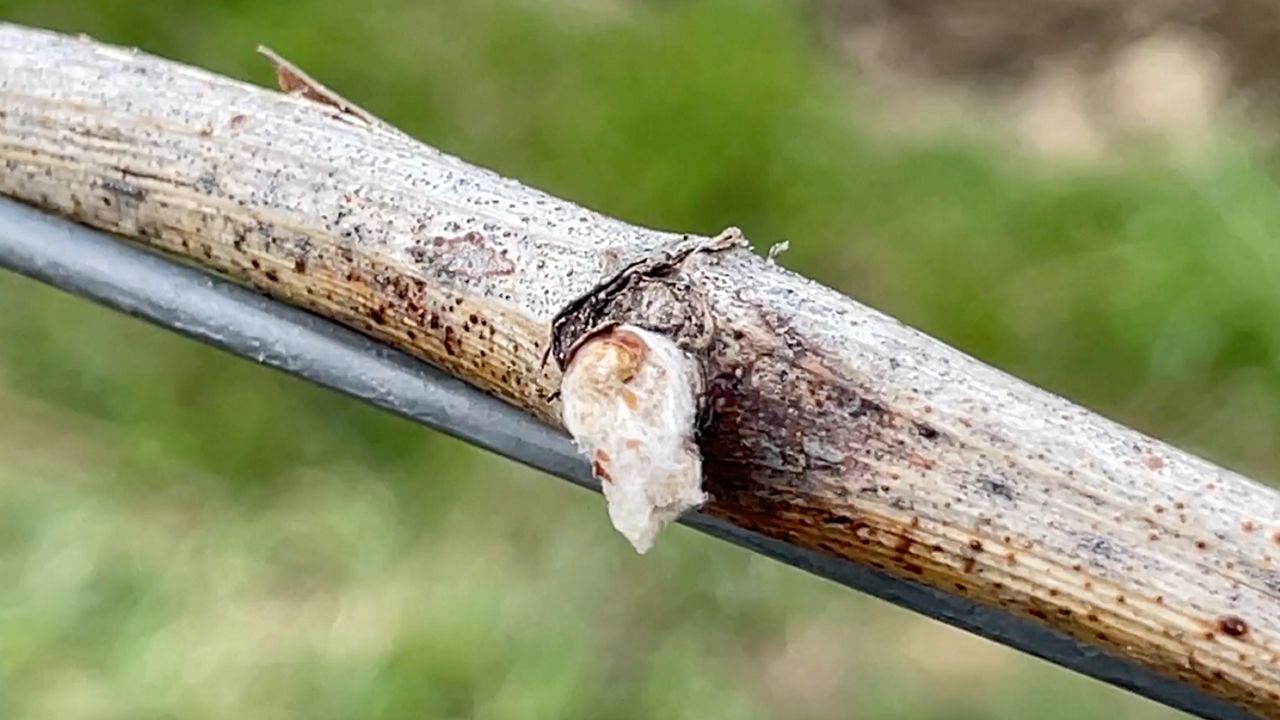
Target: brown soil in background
1072,76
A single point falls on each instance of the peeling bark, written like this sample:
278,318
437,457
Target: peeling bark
825,423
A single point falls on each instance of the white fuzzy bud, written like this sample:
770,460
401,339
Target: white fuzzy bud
630,402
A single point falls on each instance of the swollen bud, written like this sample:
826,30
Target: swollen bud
630,401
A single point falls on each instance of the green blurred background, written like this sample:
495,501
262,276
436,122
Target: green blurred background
186,535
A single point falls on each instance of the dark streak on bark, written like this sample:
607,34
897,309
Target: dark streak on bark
769,449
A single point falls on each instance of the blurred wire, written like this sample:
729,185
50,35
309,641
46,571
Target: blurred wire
130,279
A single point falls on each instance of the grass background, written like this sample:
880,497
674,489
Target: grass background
186,535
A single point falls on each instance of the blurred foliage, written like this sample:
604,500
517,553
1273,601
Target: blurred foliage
183,534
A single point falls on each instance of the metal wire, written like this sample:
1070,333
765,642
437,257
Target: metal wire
130,279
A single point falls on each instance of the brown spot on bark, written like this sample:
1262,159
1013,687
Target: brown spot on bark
1154,462
467,256
237,120
632,444
975,545
1233,625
